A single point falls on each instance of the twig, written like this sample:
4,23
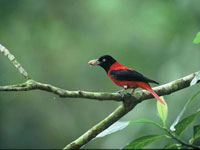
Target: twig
13,60
180,141
176,121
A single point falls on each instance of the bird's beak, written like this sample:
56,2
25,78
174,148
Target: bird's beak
94,62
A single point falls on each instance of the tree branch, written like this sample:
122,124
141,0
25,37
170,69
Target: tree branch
165,89
129,102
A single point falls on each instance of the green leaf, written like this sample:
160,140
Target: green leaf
196,133
117,126
195,79
162,111
172,146
183,124
142,142
146,121
176,121
197,38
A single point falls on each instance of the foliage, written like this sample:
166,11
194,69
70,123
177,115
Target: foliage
172,146
183,124
117,126
196,133
197,39
176,121
162,111
142,141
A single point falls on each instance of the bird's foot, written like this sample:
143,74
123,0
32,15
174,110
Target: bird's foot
122,94
133,92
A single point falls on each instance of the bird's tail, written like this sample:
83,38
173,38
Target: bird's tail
147,87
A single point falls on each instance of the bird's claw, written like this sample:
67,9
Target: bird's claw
123,94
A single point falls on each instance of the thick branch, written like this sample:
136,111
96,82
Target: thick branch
34,85
165,89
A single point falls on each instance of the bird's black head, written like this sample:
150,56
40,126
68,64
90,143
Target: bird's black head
104,61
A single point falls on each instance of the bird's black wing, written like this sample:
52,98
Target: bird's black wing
130,75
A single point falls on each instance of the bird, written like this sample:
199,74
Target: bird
124,76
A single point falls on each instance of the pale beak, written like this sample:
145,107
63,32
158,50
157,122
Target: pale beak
94,62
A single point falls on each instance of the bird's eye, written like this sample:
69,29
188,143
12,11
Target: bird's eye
104,60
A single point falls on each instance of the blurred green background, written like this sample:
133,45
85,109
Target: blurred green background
53,40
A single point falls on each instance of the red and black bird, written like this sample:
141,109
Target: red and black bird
123,76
